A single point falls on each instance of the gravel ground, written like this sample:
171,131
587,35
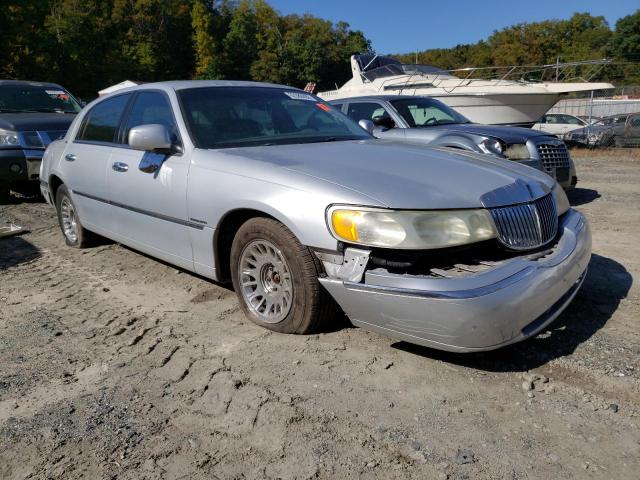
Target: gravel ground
115,365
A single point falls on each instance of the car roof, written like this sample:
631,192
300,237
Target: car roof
186,84
618,115
29,83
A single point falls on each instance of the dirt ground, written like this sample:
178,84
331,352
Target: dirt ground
114,365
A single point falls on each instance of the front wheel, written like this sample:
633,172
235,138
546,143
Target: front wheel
75,235
276,279
5,192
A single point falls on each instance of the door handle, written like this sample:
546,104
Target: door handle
70,157
120,167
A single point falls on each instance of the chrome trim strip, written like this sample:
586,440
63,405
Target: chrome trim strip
451,294
141,211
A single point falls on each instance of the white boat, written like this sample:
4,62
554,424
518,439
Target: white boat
500,100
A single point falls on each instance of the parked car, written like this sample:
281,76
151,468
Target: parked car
272,189
589,120
559,124
32,115
614,131
429,121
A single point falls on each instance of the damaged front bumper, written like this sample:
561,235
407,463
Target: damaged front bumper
507,303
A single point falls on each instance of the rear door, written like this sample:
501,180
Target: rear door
632,132
85,162
151,208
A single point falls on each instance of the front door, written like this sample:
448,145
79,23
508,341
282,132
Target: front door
151,208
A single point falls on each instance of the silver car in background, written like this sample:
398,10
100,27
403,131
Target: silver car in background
276,191
429,121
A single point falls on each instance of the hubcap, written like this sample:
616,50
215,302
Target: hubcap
265,281
69,223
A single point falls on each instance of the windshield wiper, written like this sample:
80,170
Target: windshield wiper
51,110
15,110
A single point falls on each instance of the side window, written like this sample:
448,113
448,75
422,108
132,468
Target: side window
635,121
338,106
568,119
101,123
151,107
366,111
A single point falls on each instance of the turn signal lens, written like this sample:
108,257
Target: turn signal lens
345,224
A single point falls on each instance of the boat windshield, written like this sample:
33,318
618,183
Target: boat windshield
421,112
227,117
404,69
377,66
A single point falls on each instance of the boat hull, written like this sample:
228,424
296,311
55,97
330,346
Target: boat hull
501,108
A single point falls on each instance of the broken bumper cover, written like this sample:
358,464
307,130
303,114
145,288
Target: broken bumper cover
484,311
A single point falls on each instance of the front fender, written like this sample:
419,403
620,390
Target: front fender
456,141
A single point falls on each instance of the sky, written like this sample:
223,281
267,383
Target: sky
403,26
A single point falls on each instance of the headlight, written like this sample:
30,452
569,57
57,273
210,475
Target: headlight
417,230
9,139
517,151
562,202
491,146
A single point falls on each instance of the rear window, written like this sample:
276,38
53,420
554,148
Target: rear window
102,121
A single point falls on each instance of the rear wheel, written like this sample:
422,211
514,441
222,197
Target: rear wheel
75,235
276,279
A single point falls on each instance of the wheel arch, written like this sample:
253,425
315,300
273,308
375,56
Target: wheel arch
225,232
54,184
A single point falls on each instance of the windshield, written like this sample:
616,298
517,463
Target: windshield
34,98
426,112
612,120
226,117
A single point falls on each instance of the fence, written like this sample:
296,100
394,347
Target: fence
602,103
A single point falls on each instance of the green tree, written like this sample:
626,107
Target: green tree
206,54
240,48
626,40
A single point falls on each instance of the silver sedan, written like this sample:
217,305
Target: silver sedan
274,190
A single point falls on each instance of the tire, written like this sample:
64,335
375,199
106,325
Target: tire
5,192
75,235
273,262
617,142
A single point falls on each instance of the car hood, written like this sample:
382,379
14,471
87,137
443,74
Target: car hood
591,129
398,174
27,122
508,135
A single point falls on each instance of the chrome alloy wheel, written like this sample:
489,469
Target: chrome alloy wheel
69,220
265,281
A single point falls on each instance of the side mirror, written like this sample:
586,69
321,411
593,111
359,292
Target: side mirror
366,125
150,138
384,121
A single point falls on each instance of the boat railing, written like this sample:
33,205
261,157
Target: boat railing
451,80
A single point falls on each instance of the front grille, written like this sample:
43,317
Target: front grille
527,226
553,155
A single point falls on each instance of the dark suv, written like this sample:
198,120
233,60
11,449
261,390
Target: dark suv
32,115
